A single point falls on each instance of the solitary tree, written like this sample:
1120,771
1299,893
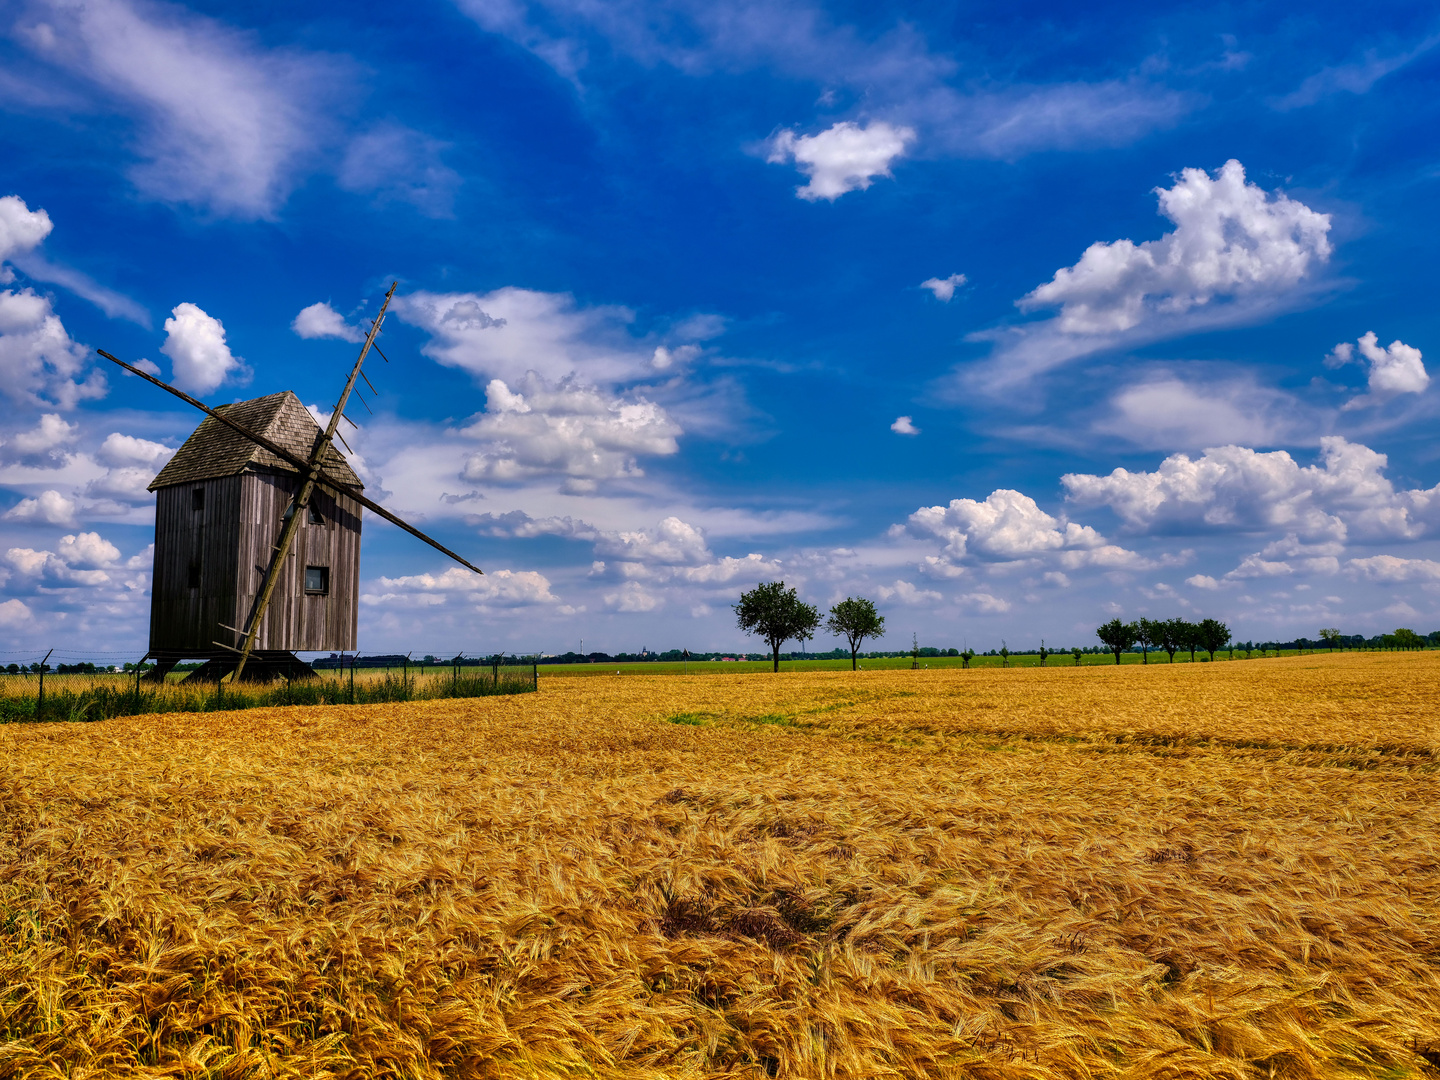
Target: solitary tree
1331,636
855,619
1075,652
1213,636
774,613
1117,636
967,656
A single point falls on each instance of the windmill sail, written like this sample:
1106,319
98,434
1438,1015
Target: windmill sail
313,472
326,480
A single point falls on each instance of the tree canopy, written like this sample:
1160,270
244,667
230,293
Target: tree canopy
1117,636
855,619
776,614
1212,635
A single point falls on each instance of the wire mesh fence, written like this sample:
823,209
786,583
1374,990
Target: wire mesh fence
41,693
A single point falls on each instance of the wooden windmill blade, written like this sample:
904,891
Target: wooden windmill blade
325,480
311,472
301,501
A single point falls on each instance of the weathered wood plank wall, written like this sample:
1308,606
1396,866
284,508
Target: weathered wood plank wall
203,540
230,540
295,620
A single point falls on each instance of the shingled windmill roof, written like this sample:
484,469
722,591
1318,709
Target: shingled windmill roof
214,450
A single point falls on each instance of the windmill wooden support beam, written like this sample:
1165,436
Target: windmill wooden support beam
312,471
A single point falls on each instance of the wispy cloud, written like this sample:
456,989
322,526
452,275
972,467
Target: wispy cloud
1355,77
22,231
223,122
912,101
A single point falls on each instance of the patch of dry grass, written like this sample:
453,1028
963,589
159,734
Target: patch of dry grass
1221,870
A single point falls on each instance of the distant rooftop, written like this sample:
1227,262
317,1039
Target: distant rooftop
213,450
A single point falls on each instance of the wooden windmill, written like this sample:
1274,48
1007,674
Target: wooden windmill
258,519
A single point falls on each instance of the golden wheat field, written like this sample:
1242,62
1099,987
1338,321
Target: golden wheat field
1224,870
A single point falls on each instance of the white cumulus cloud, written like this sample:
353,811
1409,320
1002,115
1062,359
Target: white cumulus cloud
1240,489
633,598
905,592
44,440
88,550
1396,369
904,425
1231,239
118,449
133,463
195,343
39,363
322,321
1007,525
844,157
566,430
1236,253
672,542
82,560
49,507
1010,526
14,613
983,603
21,230
1393,570
944,288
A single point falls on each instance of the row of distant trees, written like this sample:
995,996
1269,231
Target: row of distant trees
1164,635
777,614
1211,636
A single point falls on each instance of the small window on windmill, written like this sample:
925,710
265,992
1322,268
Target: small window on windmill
316,518
197,499
194,575
317,580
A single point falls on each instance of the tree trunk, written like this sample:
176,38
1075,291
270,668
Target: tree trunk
1117,656
853,653
777,658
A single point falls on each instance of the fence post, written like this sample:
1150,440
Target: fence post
40,702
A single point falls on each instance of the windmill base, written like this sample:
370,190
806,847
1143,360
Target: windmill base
265,665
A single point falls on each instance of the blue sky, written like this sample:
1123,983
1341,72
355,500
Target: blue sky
1010,317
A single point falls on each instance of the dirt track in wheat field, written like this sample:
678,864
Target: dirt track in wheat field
1223,869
